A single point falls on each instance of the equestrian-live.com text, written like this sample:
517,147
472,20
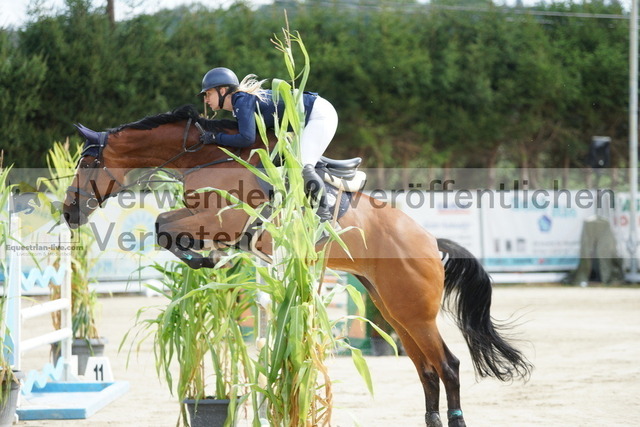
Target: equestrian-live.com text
43,248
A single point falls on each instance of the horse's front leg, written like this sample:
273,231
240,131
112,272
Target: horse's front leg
182,244
187,240
183,232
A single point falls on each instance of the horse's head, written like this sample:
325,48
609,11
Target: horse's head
92,183
168,140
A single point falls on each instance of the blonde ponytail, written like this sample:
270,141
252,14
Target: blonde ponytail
250,84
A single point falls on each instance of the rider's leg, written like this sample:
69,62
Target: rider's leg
314,187
315,138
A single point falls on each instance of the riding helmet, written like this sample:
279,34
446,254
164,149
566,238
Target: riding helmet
218,76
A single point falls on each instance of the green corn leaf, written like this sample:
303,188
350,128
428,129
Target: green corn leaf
246,164
356,297
362,367
382,333
297,327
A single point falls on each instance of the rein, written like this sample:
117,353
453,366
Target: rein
92,200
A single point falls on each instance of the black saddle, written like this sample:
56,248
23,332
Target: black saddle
345,169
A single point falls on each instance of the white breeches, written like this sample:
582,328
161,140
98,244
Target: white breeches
319,132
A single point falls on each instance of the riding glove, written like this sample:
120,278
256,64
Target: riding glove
208,138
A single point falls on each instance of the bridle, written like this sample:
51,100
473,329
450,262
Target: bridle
95,201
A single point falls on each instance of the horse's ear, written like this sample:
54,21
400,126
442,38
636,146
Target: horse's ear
85,132
79,127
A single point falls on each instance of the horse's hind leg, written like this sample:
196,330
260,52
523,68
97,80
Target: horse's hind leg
445,364
452,386
428,375
432,369
429,379
414,303
431,385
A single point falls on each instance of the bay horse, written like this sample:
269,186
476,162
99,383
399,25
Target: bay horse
398,262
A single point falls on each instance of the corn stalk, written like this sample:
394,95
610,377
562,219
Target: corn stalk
6,374
198,329
290,367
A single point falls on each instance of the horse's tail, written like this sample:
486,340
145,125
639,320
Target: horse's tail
467,295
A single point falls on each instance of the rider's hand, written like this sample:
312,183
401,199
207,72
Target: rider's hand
208,138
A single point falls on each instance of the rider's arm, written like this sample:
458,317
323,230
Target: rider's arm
244,107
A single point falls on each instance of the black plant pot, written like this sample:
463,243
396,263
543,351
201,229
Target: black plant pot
207,412
8,408
83,348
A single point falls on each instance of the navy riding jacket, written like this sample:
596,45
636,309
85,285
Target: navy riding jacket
245,105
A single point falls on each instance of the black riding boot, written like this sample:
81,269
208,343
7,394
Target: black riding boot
314,188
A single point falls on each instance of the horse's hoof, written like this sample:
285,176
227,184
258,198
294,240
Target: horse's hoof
193,260
433,419
196,261
208,262
214,258
455,418
194,264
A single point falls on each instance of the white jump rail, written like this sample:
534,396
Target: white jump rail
16,315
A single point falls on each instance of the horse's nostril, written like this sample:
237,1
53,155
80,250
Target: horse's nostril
71,220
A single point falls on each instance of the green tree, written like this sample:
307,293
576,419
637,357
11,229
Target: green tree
593,56
21,80
415,85
77,53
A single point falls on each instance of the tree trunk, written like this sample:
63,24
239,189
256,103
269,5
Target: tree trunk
111,12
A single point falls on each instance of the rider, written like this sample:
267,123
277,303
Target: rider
223,91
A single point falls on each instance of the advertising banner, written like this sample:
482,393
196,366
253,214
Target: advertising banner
441,216
538,230
512,231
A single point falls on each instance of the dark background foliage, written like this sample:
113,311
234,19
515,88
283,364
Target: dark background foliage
415,85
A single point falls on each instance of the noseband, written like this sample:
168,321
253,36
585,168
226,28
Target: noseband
93,150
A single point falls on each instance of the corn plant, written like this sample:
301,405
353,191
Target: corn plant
299,334
6,374
290,366
198,329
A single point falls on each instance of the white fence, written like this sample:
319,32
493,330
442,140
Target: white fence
19,283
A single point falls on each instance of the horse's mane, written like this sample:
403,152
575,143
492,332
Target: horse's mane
182,113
